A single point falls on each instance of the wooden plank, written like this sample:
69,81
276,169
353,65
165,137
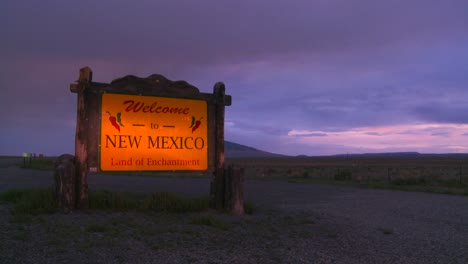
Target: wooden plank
211,138
93,104
81,141
217,191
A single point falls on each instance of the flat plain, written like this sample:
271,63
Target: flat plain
294,221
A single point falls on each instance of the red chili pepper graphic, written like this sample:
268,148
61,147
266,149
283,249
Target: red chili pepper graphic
193,122
197,124
113,121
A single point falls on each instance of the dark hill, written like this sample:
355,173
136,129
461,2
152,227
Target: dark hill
234,150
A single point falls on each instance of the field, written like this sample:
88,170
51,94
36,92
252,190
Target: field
439,173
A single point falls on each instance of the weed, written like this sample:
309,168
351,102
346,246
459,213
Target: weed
410,181
191,232
39,164
169,202
97,228
386,231
210,220
145,231
109,228
343,175
271,170
307,234
296,220
117,201
22,235
451,183
12,195
40,201
249,208
104,242
32,201
119,259
20,219
163,245
116,221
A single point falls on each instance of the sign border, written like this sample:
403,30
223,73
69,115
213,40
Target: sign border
154,171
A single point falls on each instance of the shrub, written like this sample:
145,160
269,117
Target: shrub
12,195
410,181
39,164
343,175
169,202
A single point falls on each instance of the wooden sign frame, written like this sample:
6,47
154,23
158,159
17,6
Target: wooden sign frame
88,123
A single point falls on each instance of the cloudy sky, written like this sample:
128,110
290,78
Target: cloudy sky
315,77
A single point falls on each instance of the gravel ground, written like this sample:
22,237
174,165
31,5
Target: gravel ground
295,223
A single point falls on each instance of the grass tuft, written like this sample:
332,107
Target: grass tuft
39,164
171,203
102,228
343,175
40,201
97,228
210,220
31,201
12,195
410,181
249,208
386,231
117,201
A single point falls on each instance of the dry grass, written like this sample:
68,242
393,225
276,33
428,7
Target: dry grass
432,173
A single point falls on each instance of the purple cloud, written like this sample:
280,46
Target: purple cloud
326,66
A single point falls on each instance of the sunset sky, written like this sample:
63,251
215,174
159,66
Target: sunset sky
313,77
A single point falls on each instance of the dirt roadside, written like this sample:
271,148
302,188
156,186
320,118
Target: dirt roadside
295,223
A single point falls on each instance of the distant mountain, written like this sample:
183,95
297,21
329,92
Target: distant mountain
384,154
234,150
404,154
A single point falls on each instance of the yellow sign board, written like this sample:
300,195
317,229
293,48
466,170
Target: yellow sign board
148,133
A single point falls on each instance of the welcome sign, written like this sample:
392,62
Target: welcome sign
150,133
150,124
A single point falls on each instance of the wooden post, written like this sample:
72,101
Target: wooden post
65,182
234,198
217,191
81,142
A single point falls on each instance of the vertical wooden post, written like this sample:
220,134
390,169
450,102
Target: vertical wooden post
217,191
81,139
234,197
65,183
